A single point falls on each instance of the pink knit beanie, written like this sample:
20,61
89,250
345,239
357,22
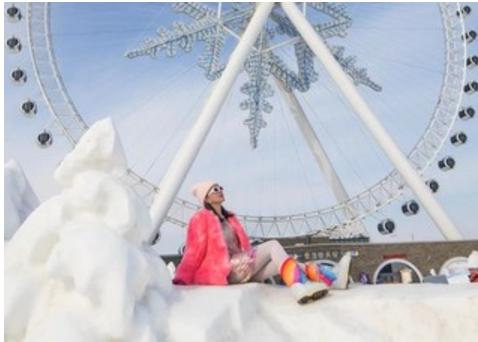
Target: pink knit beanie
200,190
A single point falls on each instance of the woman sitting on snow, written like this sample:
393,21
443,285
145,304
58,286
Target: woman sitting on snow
218,252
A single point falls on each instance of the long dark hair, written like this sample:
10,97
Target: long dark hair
225,213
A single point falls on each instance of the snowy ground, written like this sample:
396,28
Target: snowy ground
77,269
257,312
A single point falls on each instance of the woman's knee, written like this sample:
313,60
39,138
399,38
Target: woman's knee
270,243
272,248
277,252
274,244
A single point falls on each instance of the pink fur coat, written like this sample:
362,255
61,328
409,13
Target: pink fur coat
206,260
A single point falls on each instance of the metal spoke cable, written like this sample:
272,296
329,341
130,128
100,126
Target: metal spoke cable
172,130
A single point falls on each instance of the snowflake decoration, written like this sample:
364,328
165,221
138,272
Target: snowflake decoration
211,27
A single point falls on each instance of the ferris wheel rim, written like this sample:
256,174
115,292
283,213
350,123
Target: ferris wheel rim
71,125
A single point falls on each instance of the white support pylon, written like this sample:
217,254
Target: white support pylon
314,144
365,113
188,151
321,157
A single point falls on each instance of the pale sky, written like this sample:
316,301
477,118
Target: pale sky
154,102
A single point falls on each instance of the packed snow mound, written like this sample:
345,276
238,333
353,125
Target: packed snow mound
77,269
98,150
364,313
19,198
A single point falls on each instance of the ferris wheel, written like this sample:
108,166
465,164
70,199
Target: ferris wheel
280,74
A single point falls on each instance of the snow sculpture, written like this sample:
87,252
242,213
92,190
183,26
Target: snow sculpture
77,269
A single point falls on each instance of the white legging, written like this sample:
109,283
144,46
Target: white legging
269,258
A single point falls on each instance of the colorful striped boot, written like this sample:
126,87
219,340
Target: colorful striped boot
302,289
336,278
320,273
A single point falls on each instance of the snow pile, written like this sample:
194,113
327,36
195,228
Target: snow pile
364,313
76,269
19,198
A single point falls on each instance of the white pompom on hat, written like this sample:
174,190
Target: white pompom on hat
473,260
200,190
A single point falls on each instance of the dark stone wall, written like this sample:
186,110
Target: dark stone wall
369,256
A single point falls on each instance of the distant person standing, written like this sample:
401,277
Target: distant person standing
473,266
218,252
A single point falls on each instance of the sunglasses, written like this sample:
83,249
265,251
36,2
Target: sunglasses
215,189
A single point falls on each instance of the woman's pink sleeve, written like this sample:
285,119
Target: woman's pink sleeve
195,251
